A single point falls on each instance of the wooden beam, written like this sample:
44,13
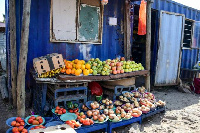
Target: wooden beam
127,31
148,44
23,59
13,53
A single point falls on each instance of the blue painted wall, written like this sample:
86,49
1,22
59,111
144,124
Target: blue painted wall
39,36
189,57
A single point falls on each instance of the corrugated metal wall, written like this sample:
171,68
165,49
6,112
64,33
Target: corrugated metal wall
189,57
39,44
3,50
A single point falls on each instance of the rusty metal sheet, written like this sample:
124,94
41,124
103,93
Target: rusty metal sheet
169,51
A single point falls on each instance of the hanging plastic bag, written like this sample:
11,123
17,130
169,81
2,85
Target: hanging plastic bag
142,18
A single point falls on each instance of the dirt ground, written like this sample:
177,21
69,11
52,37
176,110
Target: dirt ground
181,116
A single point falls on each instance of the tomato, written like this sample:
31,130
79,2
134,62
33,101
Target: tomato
71,111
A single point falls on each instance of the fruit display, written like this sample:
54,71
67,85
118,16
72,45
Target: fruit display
142,89
160,103
93,112
72,107
19,129
60,110
123,99
50,74
84,107
107,102
99,67
76,67
38,127
136,94
18,122
149,96
73,124
86,122
99,118
35,120
136,112
92,105
144,109
117,103
80,115
114,118
128,106
128,95
108,111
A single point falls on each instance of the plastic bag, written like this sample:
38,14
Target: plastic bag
95,89
142,18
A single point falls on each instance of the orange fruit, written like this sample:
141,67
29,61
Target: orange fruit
80,70
87,66
68,71
86,72
75,61
73,71
90,71
83,67
79,62
78,66
83,62
69,66
62,70
77,72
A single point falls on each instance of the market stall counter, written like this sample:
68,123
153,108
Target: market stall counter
65,81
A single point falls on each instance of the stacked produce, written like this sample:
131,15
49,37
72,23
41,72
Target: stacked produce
20,129
98,67
128,105
76,67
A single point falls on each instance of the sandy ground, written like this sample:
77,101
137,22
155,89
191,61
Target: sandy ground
182,115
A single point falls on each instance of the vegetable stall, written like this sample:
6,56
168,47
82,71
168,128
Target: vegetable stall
64,99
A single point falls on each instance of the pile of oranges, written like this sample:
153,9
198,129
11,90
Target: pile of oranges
76,67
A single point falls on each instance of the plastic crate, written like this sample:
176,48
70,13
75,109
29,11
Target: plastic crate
113,94
112,125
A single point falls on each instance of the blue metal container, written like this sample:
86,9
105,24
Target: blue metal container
113,36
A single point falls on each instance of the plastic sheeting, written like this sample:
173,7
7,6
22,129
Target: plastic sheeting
167,69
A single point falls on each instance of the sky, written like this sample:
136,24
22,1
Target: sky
191,3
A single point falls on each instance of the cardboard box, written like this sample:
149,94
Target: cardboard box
41,65
47,63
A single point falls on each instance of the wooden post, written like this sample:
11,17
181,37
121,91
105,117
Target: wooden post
127,31
23,59
13,53
148,44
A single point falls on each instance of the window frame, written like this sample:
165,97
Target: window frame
192,35
78,5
